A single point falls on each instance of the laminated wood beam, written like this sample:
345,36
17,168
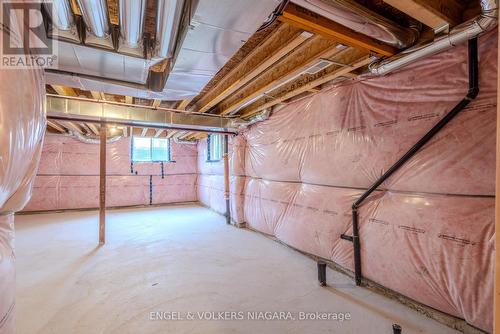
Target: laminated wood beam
305,19
296,62
297,87
436,14
279,43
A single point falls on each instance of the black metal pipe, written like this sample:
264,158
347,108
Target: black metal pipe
322,273
471,95
396,329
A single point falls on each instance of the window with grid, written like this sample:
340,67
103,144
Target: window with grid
150,149
214,147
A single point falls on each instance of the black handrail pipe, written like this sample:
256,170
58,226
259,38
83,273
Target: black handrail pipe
471,95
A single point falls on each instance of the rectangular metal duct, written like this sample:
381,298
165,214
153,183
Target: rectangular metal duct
168,20
96,18
81,59
131,26
62,22
218,28
64,108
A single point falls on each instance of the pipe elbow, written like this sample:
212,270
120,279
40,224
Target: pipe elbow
473,92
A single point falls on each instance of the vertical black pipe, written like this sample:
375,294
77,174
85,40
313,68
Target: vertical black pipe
471,95
322,273
396,329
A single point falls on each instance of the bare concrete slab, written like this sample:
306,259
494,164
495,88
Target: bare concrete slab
183,262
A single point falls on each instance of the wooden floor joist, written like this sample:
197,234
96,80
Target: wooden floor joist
305,56
436,14
184,104
156,103
56,126
310,21
282,40
295,88
65,91
94,128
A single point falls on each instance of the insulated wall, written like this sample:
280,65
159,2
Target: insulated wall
428,232
210,184
68,176
22,127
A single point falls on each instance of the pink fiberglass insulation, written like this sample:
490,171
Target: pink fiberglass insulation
22,127
68,176
428,232
210,184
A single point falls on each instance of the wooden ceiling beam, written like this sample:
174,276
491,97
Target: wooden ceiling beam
94,128
290,67
305,19
65,91
72,127
296,88
156,103
98,95
56,126
158,132
280,42
184,103
439,15
129,100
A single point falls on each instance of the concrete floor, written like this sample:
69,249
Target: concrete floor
181,259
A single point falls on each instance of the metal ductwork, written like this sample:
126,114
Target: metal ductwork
185,142
92,139
62,23
96,18
168,20
132,14
210,32
460,34
217,29
363,20
87,110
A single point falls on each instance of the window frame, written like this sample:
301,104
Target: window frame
210,157
169,150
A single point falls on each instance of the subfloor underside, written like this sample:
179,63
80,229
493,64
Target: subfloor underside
183,262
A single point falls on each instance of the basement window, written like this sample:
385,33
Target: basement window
214,147
150,149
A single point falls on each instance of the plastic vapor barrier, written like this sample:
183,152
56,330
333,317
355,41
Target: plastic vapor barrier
70,168
427,233
210,183
22,127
